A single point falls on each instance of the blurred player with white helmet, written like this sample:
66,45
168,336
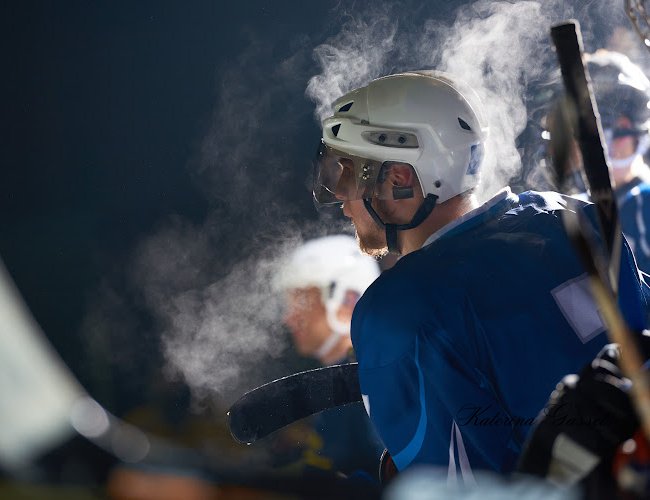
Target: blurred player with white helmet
322,281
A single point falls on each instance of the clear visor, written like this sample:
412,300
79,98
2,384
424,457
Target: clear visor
340,177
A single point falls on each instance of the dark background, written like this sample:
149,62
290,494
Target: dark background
108,108
121,120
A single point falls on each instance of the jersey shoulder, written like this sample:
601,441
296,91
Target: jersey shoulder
634,190
386,317
419,295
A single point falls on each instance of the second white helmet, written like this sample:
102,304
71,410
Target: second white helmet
333,264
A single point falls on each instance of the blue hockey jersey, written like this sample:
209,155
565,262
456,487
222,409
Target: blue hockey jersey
634,209
461,343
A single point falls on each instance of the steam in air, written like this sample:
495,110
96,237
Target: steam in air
355,55
216,329
206,282
496,48
501,49
222,329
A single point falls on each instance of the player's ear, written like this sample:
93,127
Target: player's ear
401,178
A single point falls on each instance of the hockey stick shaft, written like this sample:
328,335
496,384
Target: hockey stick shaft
568,42
603,278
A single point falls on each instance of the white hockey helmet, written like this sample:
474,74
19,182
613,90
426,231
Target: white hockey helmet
336,266
622,90
426,119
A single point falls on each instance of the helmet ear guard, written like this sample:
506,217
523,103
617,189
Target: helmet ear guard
402,192
401,178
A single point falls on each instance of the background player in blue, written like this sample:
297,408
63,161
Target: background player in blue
322,281
623,94
460,343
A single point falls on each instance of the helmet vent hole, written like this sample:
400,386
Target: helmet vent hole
437,184
346,107
463,124
335,130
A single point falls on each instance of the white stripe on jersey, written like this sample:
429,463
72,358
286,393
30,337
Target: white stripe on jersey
456,445
366,403
640,223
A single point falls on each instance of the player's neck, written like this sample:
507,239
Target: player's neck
443,214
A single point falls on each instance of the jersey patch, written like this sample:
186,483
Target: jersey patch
577,304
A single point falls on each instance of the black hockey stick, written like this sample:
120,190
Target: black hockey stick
580,114
588,132
638,14
272,406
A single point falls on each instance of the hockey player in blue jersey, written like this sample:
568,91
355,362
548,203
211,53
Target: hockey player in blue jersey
461,342
623,94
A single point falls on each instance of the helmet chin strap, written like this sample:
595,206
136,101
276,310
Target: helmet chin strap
338,329
622,162
328,345
641,149
422,213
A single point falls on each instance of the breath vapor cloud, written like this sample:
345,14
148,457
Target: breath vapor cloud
501,49
207,283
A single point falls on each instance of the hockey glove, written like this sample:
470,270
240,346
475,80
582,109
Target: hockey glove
587,417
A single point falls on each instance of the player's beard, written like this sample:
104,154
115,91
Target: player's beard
373,245
371,238
370,235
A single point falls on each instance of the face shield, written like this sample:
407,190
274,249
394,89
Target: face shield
340,177
616,125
